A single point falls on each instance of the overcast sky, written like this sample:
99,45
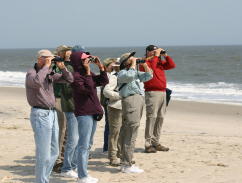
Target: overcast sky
97,23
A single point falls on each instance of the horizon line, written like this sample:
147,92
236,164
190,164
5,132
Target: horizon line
126,46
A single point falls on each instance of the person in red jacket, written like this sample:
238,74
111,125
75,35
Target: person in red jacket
155,96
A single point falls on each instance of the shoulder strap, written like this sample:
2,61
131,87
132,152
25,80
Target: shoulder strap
121,86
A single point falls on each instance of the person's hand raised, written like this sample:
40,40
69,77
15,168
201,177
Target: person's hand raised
98,63
48,61
158,52
86,65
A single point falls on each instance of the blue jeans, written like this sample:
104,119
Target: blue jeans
70,155
46,131
86,127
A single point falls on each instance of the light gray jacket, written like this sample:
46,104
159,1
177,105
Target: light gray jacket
110,91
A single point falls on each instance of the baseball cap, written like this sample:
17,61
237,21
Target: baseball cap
84,56
78,48
151,48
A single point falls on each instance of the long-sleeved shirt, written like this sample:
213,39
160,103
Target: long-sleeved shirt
39,86
132,78
67,102
110,91
158,82
85,92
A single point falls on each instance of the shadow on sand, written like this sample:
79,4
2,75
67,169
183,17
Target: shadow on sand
24,168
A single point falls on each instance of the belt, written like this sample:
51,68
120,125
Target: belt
45,108
132,95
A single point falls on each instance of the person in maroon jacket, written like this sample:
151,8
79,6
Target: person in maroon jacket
155,96
88,109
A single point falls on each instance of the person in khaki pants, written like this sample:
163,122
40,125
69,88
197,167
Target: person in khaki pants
104,102
155,97
129,82
114,110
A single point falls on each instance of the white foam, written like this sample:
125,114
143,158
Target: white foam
9,78
220,92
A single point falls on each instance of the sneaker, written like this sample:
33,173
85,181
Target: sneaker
92,178
114,162
77,171
131,169
161,148
150,149
122,168
70,174
86,180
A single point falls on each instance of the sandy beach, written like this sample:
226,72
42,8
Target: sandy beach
205,143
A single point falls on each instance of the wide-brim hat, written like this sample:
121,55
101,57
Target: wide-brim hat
62,48
45,53
124,58
109,61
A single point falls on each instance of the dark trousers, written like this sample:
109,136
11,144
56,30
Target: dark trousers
106,130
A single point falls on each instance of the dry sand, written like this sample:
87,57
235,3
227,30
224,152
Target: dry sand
205,143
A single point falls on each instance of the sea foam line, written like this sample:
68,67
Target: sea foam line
219,92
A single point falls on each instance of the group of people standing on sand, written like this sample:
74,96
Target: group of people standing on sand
62,92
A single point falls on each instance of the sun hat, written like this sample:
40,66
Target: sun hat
124,58
62,48
108,61
44,53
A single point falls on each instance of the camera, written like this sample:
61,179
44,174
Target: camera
91,59
139,61
57,59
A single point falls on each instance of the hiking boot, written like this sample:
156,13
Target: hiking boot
57,167
118,155
161,148
150,149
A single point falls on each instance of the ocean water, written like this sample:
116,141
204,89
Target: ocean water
203,73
